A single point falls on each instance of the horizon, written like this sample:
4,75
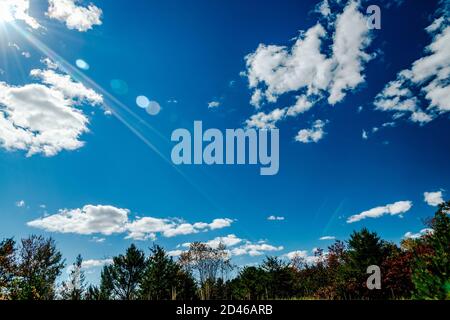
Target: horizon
88,107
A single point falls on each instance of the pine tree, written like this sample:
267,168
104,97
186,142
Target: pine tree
74,287
163,278
121,279
431,272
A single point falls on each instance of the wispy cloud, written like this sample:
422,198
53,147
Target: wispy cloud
396,208
327,238
275,218
20,203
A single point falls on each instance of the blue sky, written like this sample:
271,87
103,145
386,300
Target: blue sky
91,186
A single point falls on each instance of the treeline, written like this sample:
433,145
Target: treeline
417,269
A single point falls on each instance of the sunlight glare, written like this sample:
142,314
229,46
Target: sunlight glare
6,12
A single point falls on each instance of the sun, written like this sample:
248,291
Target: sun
6,12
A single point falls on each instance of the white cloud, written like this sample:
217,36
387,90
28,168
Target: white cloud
304,68
95,263
107,220
11,10
275,218
73,15
175,253
20,203
323,8
303,255
364,135
327,238
229,241
410,235
433,198
220,223
236,246
74,90
43,117
254,249
98,239
396,208
87,220
429,75
314,134
213,104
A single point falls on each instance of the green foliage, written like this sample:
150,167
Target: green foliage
250,284
163,279
419,268
431,272
74,287
208,264
38,265
121,279
7,266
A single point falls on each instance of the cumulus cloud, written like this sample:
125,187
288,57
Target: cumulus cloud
428,77
314,134
229,241
11,10
305,69
396,208
433,198
73,15
410,235
44,117
236,246
108,220
73,90
302,255
95,263
254,249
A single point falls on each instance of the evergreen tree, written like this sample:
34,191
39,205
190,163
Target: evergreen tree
431,272
164,279
121,279
365,248
74,287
